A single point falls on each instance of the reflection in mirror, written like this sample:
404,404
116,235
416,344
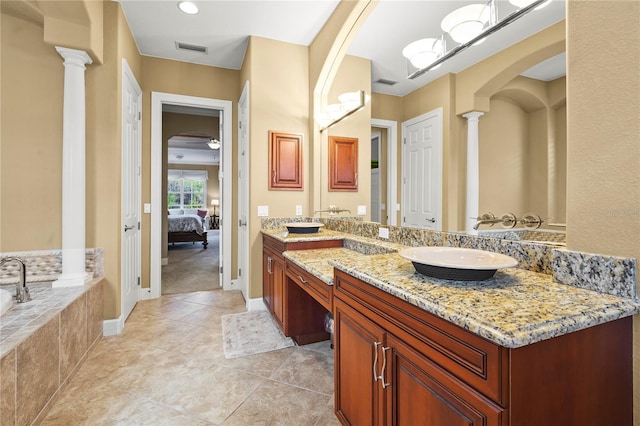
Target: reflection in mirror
522,157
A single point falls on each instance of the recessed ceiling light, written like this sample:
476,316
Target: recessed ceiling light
188,7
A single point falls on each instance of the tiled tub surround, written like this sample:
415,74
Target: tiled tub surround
43,342
517,307
46,266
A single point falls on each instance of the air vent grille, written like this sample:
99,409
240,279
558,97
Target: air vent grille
385,81
192,47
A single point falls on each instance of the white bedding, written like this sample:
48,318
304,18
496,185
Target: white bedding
185,223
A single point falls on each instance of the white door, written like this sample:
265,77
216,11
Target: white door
243,190
422,172
131,188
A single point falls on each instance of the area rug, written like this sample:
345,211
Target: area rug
251,333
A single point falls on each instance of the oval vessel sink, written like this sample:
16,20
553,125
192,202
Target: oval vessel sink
303,227
456,263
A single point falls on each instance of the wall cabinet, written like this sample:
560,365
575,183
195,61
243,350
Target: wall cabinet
343,163
285,161
397,364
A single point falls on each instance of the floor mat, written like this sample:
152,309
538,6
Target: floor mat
250,333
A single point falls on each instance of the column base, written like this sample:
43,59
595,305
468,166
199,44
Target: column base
71,280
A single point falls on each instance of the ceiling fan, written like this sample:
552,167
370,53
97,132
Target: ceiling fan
199,138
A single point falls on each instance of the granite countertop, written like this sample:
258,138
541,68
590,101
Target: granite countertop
514,308
281,234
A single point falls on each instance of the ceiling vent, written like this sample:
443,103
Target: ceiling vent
192,47
385,82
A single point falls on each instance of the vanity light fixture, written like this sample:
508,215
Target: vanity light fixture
188,7
214,143
350,102
470,25
468,22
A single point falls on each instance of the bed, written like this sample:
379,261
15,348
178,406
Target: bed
186,228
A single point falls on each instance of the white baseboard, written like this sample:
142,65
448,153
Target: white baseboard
113,326
144,294
164,261
231,286
256,304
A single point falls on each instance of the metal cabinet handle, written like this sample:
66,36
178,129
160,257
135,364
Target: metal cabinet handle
273,178
269,265
302,280
375,361
384,367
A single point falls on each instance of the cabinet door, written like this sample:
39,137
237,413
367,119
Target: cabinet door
357,353
267,279
343,164
420,392
285,161
278,295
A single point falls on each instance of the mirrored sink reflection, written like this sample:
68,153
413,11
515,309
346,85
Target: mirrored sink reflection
456,263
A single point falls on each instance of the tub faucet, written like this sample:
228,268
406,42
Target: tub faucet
22,292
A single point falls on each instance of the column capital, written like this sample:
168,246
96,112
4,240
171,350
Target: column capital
473,115
73,56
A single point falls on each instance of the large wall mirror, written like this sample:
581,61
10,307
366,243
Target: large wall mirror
522,148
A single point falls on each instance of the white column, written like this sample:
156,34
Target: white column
73,170
473,171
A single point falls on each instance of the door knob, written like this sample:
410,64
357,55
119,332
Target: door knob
242,222
128,228
432,220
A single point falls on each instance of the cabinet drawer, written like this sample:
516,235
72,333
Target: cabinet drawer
319,290
476,361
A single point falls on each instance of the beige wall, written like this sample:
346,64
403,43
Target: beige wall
603,136
182,78
279,102
353,74
38,99
31,173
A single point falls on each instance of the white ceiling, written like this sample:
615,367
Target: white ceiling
224,27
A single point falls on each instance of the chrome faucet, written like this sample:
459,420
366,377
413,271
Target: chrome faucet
332,210
22,292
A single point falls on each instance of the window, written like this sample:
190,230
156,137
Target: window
187,189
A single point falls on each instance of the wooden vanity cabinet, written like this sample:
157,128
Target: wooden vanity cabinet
295,311
273,284
396,364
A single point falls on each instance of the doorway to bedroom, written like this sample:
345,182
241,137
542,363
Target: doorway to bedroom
190,255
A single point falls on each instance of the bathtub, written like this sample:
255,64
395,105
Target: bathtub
43,342
6,300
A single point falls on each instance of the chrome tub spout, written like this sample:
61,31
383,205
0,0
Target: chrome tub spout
22,292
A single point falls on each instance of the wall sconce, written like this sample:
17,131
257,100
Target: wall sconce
468,25
350,102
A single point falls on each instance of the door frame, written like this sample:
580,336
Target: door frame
128,76
243,193
437,113
377,135
155,252
392,160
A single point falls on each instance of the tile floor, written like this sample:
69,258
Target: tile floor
168,368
